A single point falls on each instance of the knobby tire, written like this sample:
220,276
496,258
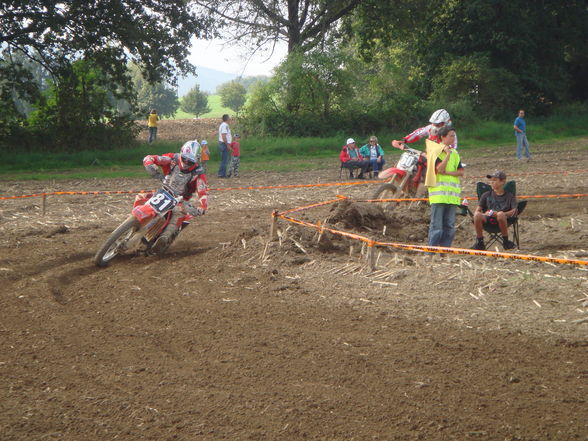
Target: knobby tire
391,188
109,251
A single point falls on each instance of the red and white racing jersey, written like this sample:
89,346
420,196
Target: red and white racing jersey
183,183
430,132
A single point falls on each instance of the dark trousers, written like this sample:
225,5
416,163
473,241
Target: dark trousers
225,158
355,163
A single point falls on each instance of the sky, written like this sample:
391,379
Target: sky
232,59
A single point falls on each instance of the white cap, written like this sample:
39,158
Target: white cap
350,141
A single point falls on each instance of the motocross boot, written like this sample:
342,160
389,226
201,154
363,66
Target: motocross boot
169,234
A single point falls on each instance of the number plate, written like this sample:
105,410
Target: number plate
407,161
162,201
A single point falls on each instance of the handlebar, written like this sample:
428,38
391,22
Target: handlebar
411,150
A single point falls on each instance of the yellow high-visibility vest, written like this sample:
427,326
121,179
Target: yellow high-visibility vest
447,190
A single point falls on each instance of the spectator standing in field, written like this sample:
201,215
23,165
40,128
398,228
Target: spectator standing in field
152,119
520,127
224,139
235,147
375,155
352,159
444,195
205,153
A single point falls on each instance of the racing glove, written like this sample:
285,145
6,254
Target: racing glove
154,171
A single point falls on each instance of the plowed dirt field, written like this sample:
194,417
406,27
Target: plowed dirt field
228,338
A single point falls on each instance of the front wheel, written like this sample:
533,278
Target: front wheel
390,190
116,242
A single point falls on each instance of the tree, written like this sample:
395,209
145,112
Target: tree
195,101
154,33
102,35
151,96
249,81
77,113
233,95
541,67
325,84
301,23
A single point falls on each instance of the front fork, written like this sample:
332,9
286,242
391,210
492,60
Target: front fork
403,183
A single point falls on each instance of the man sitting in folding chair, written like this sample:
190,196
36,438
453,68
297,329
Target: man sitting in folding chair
351,159
496,210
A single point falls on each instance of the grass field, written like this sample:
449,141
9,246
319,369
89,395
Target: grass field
216,110
276,153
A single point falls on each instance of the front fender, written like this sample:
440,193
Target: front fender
143,212
389,172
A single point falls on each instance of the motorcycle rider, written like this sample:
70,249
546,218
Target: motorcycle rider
439,118
183,175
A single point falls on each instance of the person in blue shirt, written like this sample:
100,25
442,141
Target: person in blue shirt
520,126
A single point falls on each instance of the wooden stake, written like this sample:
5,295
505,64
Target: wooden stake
274,227
44,204
371,256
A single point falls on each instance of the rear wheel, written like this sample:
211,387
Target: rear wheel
116,242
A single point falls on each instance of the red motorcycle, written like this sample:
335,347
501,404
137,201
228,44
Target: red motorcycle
149,217
403,180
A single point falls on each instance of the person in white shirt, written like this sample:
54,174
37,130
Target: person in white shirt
224,139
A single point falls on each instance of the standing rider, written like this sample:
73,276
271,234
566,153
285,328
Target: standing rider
182,174
439,118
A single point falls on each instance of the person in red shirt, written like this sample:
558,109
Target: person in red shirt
351,159
235,148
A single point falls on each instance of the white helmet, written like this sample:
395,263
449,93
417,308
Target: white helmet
440,116
190,155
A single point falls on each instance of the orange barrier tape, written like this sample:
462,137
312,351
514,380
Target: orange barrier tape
326,184
485,253
473,198
58,193
562,172
274,187
268,187
431,249
319,204
470,198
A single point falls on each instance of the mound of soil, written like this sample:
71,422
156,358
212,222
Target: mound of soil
399,225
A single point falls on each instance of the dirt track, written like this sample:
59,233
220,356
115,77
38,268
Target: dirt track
216,342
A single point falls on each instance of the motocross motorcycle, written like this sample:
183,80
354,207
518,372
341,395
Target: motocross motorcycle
149,217
403,180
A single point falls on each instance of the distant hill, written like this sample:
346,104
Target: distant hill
208,79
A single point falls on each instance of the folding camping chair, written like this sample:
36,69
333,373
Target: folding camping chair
493,229
344,170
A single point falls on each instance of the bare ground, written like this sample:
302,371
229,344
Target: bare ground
183,129
224,338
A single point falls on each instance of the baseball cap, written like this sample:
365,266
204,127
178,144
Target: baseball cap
497,174
350,141
204,141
